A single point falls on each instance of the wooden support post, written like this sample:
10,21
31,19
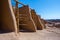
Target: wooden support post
17,15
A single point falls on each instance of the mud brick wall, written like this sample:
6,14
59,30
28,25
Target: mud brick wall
44,22
36,19
41,22
0,15
7,21
26,21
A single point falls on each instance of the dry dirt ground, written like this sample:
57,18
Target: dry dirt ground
46,34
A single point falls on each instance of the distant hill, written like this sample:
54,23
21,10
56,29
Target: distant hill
53,20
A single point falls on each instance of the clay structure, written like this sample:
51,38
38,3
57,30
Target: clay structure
13,19
37,20
25,21
7,17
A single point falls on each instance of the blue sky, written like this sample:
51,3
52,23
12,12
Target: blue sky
48,9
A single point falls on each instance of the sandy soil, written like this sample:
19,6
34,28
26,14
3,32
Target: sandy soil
46,34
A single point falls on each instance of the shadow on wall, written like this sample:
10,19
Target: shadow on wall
7,22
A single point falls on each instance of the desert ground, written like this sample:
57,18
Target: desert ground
50,33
